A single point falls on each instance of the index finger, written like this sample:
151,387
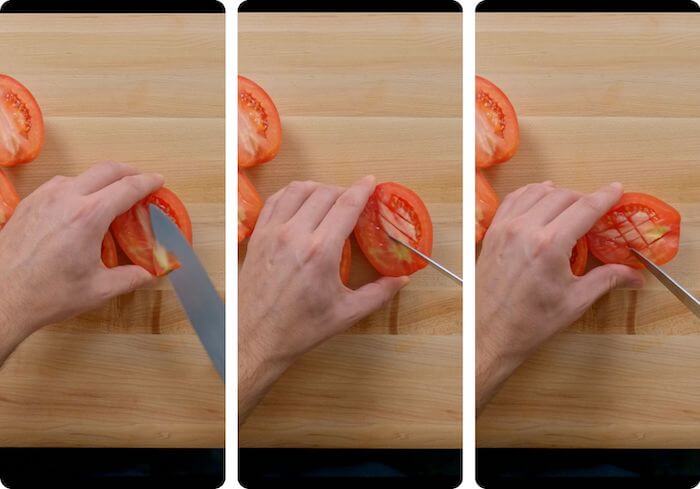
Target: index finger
117,198
342,217
579,217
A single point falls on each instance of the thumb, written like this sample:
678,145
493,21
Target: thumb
127,278
372,296
603,279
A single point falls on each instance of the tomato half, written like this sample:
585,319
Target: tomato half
21,123
249,206
345,261
8,199
486,205
259,127
579,257
394,210
109,251
639,221
497,131
133,232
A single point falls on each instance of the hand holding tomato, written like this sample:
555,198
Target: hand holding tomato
52,266
526,291
291,297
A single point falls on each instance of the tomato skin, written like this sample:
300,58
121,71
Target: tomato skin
641,221
497,129
249,206
579,257
109,251
486,205
9,200
405,207
132,230
19,144
259,126
345,262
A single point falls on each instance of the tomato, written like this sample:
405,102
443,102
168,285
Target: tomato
249,206
109,251
486,205
394,210
133,232
8,199
259,127
345,262
497,131
640,221
579,257
21,123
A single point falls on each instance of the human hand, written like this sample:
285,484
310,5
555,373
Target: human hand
525,290
51,249
290,296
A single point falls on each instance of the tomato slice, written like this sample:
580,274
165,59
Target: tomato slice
8,199
249,206
345,261
497,131
109,251
397,211
133,232
639,221
486,205
21,123
259,127
579,257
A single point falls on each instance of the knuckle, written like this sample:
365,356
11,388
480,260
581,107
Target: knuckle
114,166
284,234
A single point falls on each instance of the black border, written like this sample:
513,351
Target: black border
587,6
349,6
113,6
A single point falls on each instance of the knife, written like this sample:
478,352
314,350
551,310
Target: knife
674,287
197,294
443,269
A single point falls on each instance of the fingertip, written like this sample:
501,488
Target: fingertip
617,186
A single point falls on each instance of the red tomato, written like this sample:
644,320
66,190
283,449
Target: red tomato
249,206
497,132
640,221
486,205
109,251
397,211
21,123
133,232
345,262
259,127
579,257
8,199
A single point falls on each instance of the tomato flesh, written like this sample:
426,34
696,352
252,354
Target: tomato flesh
394,210
133,232
579,257
259,127
486,205
21,123
497,130
345,262
249,206
637,221
8,199
109,251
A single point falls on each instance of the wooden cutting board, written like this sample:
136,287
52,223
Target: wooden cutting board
369,94
147,90
600,98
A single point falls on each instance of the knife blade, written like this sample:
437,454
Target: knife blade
197,294
443,269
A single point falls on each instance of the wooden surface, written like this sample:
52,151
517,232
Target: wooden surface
369,94
605,97
147,90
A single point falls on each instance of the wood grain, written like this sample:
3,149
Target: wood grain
366,94
147,90
602,98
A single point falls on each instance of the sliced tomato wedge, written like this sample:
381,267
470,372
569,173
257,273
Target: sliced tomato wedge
21,123
345,261
109,251
579,257
486,205
249,206
497,131
259,127
133,232
8,199
639,221
394,210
